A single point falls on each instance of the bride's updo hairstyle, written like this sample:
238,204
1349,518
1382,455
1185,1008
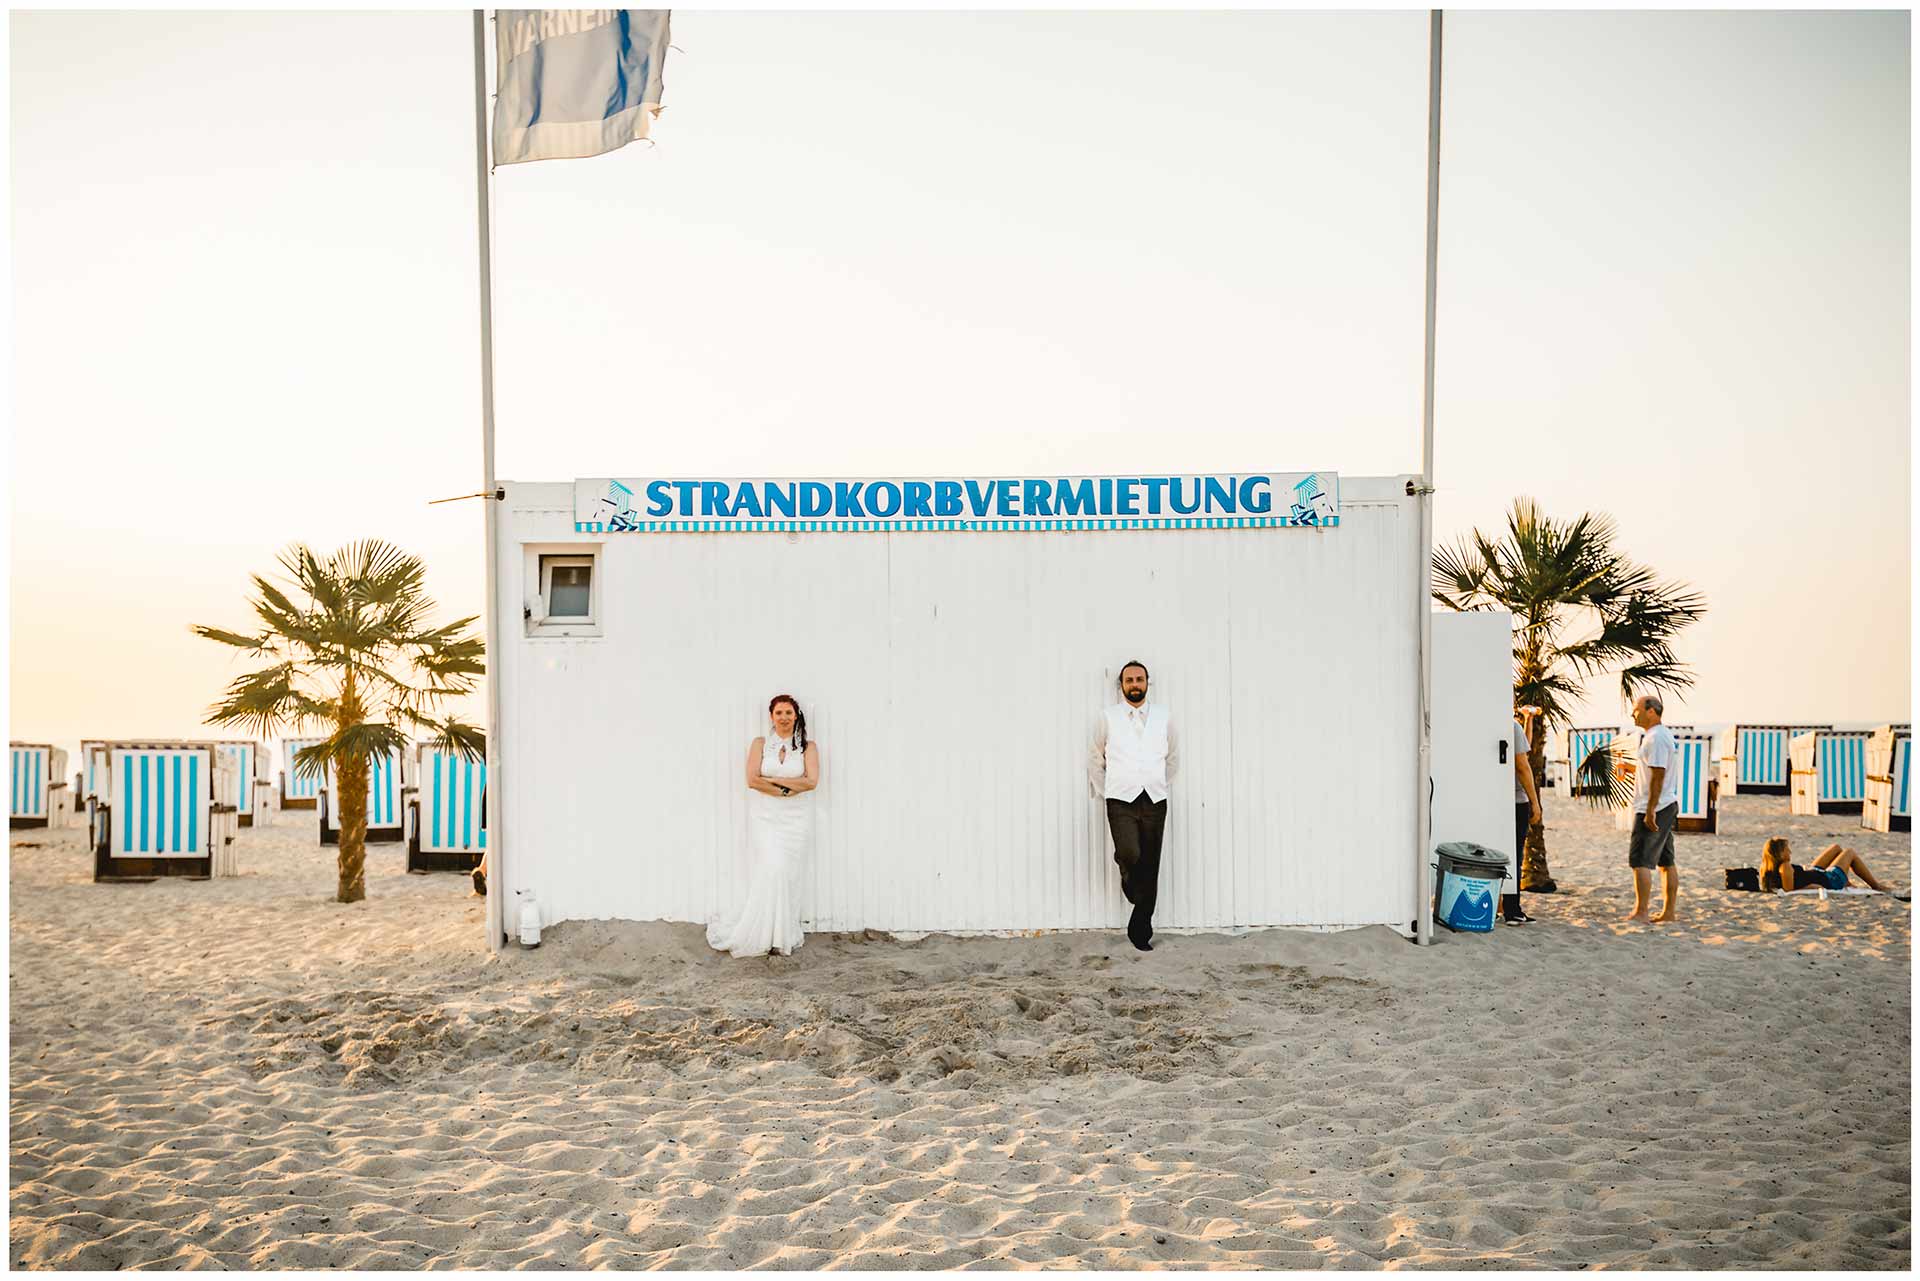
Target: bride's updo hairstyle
799,718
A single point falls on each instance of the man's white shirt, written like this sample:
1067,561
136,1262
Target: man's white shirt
1134,751
1657,751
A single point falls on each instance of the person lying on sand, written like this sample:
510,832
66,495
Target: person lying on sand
1829,871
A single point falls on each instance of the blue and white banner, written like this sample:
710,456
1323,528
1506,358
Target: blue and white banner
1238,500
575,82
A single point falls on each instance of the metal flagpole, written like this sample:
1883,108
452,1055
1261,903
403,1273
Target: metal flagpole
1423,800
495,826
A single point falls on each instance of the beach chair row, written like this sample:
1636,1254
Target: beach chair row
1819,769
171,807
432,799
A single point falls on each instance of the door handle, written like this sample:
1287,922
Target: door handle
1503,751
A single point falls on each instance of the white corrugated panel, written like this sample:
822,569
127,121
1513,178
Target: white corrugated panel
952,681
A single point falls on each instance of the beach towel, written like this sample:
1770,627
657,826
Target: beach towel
1851,889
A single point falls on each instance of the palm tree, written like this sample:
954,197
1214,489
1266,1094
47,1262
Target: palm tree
355,657
1581,609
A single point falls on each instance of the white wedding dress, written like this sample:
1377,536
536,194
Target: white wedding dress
779,839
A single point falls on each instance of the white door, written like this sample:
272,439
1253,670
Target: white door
1473,732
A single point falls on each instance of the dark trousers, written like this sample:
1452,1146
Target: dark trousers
1137,826
1522,820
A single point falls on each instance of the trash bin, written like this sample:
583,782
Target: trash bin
1466,885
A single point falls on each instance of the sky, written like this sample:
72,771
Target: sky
1674,287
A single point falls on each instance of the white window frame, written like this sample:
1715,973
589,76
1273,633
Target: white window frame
549,563
541,560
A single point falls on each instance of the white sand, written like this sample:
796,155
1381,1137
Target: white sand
244,1073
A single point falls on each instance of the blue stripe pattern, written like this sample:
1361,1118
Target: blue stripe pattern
977,526
453,804
383,790
300,789
157,794
1841,760
1762,754
27,790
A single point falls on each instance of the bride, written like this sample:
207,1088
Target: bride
783,768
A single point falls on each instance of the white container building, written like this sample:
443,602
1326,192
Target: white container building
951,670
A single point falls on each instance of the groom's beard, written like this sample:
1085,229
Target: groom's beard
1135,697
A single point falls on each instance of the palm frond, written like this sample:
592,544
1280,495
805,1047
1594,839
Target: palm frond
252,644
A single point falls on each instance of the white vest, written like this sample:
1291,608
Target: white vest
1136,757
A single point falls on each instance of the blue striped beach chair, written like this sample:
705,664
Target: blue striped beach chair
1580,743
1697,784
157,813
447,818
243,765
1754,758
386,801
1889,803
1829,771
296,792
34,784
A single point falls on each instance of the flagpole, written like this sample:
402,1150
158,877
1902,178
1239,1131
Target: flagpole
1423,800
495,826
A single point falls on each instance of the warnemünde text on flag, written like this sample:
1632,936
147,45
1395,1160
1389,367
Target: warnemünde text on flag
1245,500
575,82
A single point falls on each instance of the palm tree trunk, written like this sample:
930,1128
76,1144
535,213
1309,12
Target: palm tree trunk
352,773
1535,878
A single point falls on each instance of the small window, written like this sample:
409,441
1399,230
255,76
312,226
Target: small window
566,589
569,590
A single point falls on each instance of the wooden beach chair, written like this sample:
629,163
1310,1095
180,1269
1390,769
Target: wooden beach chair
446,819
37,788
296,792
386,801
1754,758
245,767
157,813
1888,806
1829,771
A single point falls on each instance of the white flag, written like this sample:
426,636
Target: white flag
575,82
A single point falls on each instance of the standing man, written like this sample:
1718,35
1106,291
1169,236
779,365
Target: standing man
1656,806
1526,810
1130,765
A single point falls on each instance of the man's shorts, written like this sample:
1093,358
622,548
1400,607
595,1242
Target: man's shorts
1653,849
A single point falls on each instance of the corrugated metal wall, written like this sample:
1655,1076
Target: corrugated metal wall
952,681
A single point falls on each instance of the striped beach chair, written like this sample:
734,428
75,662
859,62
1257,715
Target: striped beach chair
386,801
1829,771
1697,784
157,813
446,820
1889,803
297,793
1576,745
245,767
36,788
1754,758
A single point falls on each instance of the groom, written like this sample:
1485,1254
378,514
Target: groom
1130,764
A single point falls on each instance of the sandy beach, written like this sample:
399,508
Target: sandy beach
242,1073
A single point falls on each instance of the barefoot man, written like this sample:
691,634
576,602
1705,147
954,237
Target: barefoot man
1656,805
